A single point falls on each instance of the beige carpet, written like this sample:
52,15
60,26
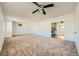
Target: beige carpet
35,45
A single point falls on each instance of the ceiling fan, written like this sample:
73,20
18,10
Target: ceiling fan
41,7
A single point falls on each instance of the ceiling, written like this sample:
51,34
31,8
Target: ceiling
25,9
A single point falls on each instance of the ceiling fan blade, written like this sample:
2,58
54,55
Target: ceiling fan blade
49,5
36,4
43,11
35,11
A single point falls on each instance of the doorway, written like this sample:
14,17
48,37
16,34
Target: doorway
53,29
57,30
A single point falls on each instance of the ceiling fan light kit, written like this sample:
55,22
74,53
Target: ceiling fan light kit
41,8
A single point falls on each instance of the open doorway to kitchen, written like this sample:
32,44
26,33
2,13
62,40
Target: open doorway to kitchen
57,30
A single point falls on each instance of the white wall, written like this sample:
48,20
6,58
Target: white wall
8,28
69,23
1,29
41,28
77,27
17,30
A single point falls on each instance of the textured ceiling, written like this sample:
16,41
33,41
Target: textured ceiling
25,9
